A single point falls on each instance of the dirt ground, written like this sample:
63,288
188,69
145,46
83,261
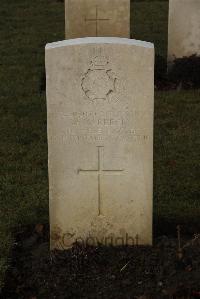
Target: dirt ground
161,271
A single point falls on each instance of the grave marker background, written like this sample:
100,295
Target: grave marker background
84,18
184,28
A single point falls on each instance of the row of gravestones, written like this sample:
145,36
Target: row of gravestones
100,101
112,18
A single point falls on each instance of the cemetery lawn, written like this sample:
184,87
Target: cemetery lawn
24,31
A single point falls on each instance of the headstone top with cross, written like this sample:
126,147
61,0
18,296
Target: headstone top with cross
85,18
97,19
100,141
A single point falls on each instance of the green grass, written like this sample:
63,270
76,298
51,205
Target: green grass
176,158
149,22
25,29
26,26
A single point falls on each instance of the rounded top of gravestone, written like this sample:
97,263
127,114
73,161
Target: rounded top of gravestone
99,40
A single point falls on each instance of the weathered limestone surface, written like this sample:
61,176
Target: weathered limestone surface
84,18
100,140
184,28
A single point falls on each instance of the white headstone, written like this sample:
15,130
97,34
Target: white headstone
85,18
184,28
100,141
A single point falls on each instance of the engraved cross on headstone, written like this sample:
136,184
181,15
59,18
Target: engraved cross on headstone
96,20
99,172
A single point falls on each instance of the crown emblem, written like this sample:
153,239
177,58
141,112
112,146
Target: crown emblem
99,61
